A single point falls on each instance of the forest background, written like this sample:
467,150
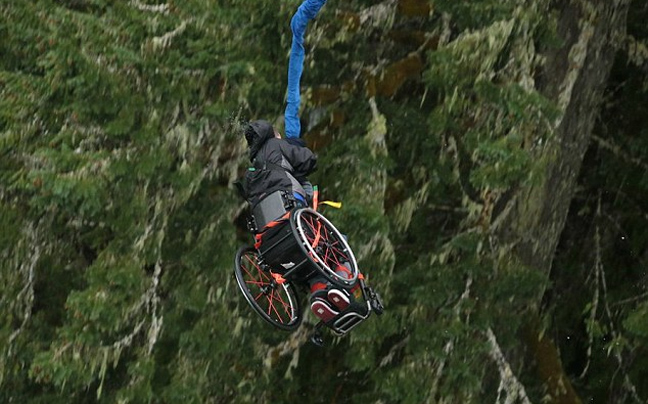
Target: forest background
491,156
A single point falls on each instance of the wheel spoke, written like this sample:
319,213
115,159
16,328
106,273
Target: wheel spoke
339,256
248,272
311,225
258,283
276,303
256,266
272,309
253,280
269,299
332,254
285,305
325,246
326,257
279,316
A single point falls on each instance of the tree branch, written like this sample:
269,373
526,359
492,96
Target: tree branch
617,151
164,41
27,269
158,8
289,346
515,391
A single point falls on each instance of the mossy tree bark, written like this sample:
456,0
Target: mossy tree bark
531,220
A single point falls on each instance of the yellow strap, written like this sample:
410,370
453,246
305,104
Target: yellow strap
336,205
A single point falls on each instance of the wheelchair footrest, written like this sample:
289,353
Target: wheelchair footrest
349,318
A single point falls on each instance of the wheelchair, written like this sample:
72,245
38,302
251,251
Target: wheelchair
294,244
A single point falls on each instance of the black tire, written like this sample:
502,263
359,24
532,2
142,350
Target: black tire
324,245
277,304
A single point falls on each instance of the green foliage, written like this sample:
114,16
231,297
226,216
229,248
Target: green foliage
636,321
477,14
119,135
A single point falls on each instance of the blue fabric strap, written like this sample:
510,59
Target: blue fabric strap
300,198
306,12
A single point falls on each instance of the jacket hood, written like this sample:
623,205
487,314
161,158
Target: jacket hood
256,134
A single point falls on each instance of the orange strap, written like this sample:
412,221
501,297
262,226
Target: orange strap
318,286
276,222
318,235
258,237
278,278
315,198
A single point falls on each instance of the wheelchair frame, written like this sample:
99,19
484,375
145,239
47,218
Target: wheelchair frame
299,245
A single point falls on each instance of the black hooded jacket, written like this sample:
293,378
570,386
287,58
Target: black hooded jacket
276,164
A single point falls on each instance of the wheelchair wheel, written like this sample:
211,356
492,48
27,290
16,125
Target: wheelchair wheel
275,303
325,246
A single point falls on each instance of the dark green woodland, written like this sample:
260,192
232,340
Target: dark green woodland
491,157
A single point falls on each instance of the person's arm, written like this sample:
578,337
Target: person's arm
306,12
302,159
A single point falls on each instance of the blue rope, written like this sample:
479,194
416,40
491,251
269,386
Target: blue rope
306,12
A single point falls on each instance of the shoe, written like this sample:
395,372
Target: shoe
323,311
338,298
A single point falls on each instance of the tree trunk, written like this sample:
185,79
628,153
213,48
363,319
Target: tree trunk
574,77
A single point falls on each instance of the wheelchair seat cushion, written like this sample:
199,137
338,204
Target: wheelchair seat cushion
272,207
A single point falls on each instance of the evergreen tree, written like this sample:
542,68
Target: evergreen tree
454,133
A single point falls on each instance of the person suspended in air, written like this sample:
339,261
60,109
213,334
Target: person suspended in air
276,165
284,164
279,166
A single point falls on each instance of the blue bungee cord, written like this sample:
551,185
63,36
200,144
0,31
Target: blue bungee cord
306,12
